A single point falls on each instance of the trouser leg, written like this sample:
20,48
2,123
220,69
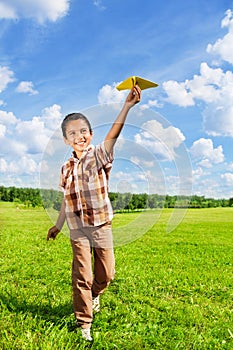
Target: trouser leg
82,283
104,261
104,269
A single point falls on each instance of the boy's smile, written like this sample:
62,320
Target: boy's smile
78,136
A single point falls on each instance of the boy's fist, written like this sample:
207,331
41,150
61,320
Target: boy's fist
134,95
52,233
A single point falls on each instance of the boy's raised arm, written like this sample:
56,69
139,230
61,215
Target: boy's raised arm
133,98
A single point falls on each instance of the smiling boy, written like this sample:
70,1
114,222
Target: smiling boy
87,210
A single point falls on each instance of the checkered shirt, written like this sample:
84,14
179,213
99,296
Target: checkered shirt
84,182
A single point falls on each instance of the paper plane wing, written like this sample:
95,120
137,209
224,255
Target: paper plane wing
132,81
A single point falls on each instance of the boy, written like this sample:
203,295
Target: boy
87,210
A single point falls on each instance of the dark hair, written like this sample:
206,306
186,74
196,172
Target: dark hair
74,116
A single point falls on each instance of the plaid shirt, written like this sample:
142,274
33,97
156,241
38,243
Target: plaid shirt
85,185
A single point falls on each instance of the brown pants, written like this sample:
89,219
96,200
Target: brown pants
85,283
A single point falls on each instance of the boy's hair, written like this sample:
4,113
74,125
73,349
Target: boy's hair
74,116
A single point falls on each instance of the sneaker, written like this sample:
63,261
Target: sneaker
96,304
86,334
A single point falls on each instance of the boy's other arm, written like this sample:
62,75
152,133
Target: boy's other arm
54,230
133,98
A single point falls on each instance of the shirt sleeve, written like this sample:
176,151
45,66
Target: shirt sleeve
102,156
63,177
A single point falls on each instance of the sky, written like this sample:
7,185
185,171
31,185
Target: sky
63,56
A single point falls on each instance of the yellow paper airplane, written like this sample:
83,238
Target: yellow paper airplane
132,81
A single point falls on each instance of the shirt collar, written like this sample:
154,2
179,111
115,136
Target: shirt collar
85,151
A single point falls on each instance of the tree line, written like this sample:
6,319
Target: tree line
34,197
30,197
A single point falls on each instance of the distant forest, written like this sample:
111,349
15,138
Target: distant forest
31,197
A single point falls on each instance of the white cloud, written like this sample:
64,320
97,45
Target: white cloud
161,140
218,116
156,182
227,178
109,94
23,144
208,87
37,131
99,4
12,148
212,86
178,94
6,11
41,10
211,184
21,166
7,117
205,163
27,165
26,87
197,173
44,167
150,103
223,46
3,165
142,162
136,181
31,136
6,77
34,134
2,130
51,116
208,187
230,167
203,150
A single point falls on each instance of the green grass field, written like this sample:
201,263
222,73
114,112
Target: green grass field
171,290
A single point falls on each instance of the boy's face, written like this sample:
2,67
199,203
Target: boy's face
78,135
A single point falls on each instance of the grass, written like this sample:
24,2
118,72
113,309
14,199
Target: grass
171,290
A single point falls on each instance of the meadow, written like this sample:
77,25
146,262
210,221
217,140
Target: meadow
171,290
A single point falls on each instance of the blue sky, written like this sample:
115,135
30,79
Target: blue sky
61,56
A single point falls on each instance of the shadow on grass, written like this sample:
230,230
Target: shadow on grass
58,315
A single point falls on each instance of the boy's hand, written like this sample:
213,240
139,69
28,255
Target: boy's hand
134,96
52,233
